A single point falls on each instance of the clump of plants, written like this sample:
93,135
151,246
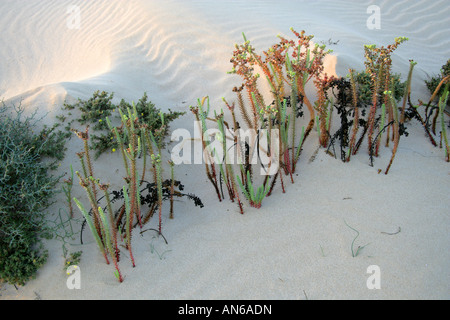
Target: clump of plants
95,110
269,123
367,103
352,98
114,214
378,66
27,187
431,114
265,130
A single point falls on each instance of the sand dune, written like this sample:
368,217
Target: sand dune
178,51
158,42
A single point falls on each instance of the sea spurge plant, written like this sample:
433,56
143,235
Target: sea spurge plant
112,222
93,229
287,67
106,243
228,174
128,223
379,65
156,160
442,104
356,114
172,186
396,130
255,197
224,172
132,152
365,108
243,61
136,141
284,135
324,108
307,63
201,116
397,115
67,189
366,102
432,111
87,180
436,95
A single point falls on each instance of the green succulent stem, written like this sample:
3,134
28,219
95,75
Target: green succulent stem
128,224
108,241
92,227
157,163
442,104
255,198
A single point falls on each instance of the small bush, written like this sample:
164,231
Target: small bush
365,87
96,109
342,92
26,191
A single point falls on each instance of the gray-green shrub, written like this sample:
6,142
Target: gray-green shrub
26,191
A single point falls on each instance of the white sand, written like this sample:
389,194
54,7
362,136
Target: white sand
298,242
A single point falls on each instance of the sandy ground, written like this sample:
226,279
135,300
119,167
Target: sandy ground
298,244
